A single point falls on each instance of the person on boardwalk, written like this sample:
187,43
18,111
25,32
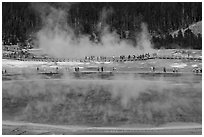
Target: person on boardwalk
114,68
153,69
164,69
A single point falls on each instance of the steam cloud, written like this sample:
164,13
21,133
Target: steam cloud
57,38
101,101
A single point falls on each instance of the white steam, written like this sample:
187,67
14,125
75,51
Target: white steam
57,38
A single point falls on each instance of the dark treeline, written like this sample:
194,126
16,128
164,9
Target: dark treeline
20,20
186,40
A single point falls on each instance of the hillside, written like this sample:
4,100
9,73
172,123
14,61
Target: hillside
196,29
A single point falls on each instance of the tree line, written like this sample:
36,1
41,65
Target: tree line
182,40
19,20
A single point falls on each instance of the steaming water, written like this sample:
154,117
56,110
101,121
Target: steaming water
95,98
130,100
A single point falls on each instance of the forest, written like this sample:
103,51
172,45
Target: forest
20,20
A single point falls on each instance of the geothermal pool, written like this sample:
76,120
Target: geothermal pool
128,97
